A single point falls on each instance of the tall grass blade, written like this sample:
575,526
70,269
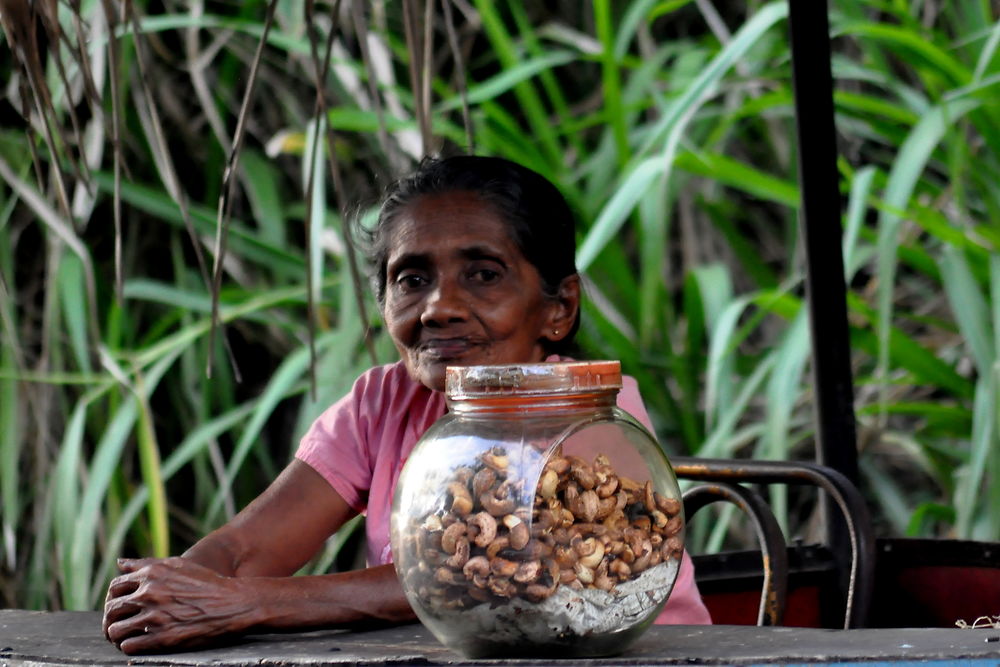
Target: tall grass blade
906,170
616,212
970,309
65,504
783,388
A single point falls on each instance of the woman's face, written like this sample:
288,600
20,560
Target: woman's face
458,290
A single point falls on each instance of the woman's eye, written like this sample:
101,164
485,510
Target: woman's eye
410,281
486,275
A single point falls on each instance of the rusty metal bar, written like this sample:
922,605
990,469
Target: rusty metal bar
774,553
840,490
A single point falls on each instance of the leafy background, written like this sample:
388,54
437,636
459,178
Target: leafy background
169,163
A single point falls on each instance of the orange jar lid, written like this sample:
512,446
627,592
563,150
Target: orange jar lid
548,378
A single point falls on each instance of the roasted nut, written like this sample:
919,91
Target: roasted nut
538,592
446,575
477,565
461,554
559,465
527,571
602,580
584,574
502,587
548,484
581,471
497,506
497,460
647,497
620,569
483,481
564,555
502,567
461,503
496,546
449,538
606,487
643,557
487,527
595,557
519,534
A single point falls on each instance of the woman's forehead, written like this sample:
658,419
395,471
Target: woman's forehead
453,220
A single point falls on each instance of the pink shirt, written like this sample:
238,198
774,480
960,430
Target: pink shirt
360,443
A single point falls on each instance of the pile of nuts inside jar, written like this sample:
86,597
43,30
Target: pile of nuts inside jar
587,528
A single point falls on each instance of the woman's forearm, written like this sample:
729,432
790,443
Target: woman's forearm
348,598
178,603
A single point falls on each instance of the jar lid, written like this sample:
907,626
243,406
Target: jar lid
560,377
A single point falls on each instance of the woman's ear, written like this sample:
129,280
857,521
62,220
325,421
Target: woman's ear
563,309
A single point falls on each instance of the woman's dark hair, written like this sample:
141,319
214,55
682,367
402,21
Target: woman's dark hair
539,219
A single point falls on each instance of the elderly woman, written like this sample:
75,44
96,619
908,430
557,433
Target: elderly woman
474,264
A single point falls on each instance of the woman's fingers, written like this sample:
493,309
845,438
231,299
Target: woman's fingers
124,584
155,604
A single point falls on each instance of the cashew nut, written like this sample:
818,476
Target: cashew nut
497,506
461,554
502,567
461,503
449,538
483,481
497,460
487,527
581,471
476,566
594,558
527,571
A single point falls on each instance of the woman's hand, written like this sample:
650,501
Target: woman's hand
173,603
237,578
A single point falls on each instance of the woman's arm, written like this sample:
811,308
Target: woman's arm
236,578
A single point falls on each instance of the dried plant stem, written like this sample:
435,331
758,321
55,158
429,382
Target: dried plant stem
456,55
228,185
357,11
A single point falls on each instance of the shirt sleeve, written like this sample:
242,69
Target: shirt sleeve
337,444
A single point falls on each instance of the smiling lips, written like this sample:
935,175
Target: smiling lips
445,348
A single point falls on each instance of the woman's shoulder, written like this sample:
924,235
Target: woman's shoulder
389,383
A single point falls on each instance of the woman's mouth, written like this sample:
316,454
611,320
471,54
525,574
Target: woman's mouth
445,348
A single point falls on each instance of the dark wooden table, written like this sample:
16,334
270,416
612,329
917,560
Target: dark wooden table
37,639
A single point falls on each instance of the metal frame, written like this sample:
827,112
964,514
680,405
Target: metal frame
774,554
857,580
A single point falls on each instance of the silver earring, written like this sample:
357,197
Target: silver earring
555,332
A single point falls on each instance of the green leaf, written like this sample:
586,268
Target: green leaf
740,176
906,170
970,309
507,79
616,211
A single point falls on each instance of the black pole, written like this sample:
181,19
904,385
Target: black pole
821,233
836,444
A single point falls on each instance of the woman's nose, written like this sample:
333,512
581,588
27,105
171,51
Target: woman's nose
445,303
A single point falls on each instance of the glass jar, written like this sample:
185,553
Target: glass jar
536,518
